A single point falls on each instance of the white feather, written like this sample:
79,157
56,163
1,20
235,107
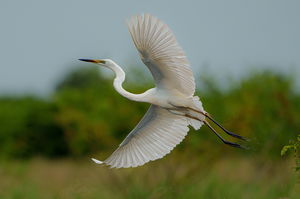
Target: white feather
97,161
162,54
149,140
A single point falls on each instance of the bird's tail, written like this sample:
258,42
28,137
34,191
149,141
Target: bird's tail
196,124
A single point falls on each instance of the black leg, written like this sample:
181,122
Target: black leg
220,137
225,130
223,140
219,125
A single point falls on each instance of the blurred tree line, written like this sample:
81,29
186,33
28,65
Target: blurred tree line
85,115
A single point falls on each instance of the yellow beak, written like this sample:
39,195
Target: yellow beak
93,60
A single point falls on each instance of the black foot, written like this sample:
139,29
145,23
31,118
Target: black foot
225,130
232,144
237,136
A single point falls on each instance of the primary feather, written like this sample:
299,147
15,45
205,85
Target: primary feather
162,54
155,136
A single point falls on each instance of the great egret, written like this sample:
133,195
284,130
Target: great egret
173,104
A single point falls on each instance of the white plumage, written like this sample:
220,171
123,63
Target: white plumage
173,104
155,136
162,54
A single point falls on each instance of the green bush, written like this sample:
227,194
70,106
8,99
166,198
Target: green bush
27,128
263,107
86,115
294,147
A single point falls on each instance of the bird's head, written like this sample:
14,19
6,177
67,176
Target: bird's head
102,62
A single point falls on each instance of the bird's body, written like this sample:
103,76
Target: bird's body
173,104
156,96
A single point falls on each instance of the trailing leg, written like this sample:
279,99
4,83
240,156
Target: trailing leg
219,136
219,125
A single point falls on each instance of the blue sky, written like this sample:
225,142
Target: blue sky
42,40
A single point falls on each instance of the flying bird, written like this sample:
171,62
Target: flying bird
173,105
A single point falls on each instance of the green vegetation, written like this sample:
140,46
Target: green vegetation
294,146
86,117
176,176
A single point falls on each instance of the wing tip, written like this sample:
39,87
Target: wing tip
97,161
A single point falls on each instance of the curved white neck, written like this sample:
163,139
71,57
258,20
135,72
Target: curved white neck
118,81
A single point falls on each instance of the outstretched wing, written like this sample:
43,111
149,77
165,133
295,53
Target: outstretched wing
155,136
162,54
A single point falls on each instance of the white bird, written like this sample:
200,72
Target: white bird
173,104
